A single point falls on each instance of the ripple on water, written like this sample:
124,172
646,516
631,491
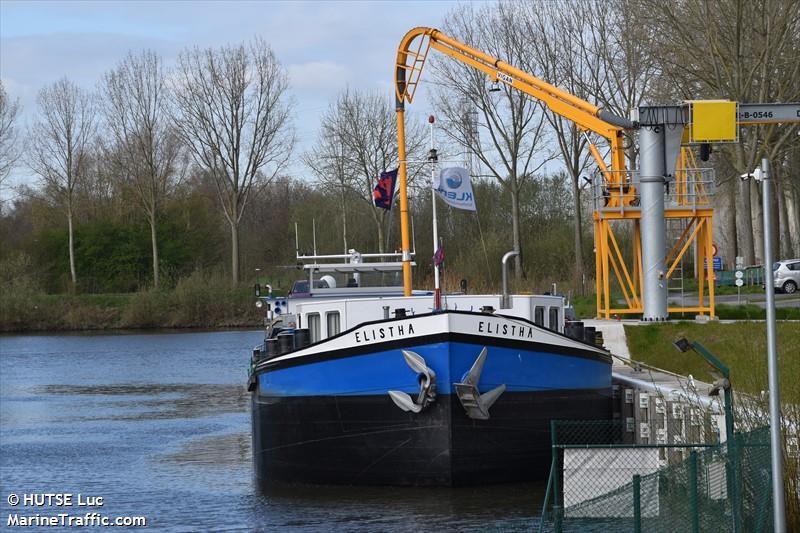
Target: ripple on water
158,425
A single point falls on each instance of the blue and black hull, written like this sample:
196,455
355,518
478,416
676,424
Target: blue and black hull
326,417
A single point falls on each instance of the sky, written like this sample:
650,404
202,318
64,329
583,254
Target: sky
325,46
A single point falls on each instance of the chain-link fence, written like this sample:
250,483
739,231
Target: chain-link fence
599,483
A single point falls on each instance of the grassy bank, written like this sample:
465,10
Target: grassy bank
743,347
199,301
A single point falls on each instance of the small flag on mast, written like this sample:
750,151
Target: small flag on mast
384,190
438,257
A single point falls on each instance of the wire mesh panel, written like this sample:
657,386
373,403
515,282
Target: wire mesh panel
600,484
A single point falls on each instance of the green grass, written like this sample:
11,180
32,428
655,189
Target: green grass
741,346
727,289
585,307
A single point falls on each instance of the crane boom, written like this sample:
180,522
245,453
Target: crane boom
586,116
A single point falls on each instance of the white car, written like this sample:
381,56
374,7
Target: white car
787,275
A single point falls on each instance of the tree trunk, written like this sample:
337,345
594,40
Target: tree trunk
72,272
784,237
379,224
792,202
576,194
745,224
234,253
154,242
515,231
344,223
728,224
757,221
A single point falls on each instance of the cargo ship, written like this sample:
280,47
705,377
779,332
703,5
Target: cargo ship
384,389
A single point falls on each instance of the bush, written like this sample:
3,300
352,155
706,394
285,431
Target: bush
20,301
146,309
201,300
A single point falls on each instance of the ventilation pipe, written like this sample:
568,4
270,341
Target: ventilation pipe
505,300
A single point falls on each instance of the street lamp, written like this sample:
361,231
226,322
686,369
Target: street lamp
722,378
762,176
722,381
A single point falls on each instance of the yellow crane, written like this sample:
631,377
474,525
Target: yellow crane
700,122
587,116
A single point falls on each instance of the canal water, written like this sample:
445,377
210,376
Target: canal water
158,425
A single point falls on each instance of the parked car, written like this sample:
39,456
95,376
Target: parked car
787,275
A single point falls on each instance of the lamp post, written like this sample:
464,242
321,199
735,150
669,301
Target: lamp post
776,444
722,382
761,175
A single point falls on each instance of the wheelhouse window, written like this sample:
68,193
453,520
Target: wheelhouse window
538,315
333,320
553,320
313,327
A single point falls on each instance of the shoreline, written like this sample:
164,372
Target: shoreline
201,306
126,330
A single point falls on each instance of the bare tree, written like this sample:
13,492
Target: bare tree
146,146
8,135
616,47
556,34
512,121
743,51
326,159
60,145
235,116
357,141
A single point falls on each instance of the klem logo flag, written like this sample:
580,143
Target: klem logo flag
455,188
384,189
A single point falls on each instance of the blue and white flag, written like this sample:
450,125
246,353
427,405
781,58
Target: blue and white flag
455,188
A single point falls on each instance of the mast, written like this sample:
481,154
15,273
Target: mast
432,158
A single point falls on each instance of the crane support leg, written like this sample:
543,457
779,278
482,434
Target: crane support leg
653,228
405,241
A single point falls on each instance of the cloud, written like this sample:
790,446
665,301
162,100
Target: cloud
325,46
318,75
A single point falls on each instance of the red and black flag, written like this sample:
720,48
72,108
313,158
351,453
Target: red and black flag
384,189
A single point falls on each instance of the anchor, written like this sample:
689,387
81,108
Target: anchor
476,404
427,385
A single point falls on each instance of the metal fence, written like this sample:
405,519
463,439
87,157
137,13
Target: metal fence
597,483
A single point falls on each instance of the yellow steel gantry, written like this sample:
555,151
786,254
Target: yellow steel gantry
616,273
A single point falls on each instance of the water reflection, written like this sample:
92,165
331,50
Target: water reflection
217,451
156,401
